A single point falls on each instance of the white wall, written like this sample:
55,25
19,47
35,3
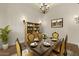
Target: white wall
11,14
14,14
67,12
2,17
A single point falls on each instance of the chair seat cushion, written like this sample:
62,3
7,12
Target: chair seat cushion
24,53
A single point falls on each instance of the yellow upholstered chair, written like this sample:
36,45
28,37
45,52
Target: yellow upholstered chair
30,38
40,36
57,46
19,51
62,51
18,48
55,36
62,48
35,36
66,39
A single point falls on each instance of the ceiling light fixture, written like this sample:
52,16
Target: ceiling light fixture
44,8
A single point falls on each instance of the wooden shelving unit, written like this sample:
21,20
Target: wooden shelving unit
33,27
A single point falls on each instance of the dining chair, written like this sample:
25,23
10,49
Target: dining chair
55,36
40,36
57,46
18,48
35,34
63,49
36,38
30,38
19,51
66,39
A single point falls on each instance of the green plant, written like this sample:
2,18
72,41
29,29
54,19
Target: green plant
45,36
4,34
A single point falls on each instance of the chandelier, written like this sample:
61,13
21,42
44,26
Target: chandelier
44,8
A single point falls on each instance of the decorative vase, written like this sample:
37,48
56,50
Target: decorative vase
5,46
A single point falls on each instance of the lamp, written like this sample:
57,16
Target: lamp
24,19
44,8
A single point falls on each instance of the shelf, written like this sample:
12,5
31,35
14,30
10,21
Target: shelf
32,27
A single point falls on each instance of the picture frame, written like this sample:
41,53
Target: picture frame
57,23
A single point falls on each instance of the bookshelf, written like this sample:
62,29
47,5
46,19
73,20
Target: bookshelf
33,27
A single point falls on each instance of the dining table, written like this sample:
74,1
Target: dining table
42,48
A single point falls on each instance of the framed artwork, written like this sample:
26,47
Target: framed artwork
57,23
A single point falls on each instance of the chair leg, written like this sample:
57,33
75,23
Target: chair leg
65,53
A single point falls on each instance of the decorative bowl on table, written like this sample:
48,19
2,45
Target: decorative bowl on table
46,44
33,45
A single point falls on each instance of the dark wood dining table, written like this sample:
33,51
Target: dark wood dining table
42,50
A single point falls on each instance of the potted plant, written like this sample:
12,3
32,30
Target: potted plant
4,32
45,37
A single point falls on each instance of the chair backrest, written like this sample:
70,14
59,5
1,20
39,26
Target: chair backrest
55,35
18,48
63,47
40,36
35,34
66,39
58,46
30,38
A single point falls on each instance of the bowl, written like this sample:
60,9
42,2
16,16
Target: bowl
46,44
34,44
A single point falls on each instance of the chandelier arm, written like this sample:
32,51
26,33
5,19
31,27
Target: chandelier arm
44,8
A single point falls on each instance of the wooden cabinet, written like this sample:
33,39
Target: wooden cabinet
33,27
